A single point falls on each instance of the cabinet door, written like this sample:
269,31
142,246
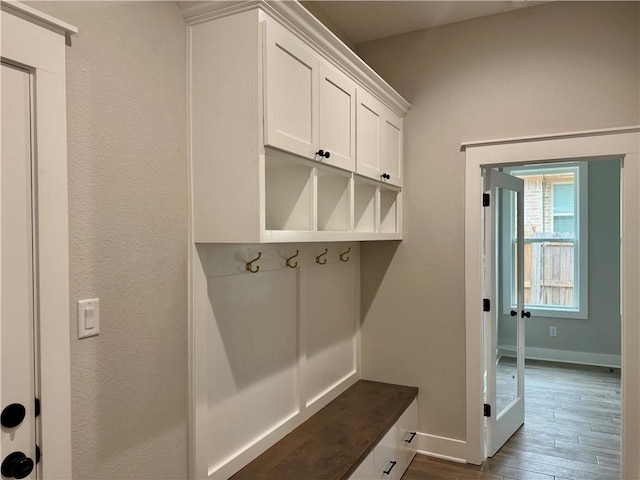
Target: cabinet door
391,158
337,120
369,135
291,100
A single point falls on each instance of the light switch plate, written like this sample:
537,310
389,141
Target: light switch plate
88,318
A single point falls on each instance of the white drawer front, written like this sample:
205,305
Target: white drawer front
407,428
365,470
385,456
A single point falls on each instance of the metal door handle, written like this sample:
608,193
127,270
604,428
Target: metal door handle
12,415
16,465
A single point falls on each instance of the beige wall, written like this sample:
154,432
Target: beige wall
562,66
128,237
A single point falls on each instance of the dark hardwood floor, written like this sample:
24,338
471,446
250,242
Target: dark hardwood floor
571,431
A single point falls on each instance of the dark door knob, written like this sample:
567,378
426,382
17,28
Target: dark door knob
386,176
526,314
322,153
12,415
16,465
513,313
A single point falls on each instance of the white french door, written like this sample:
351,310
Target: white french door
17,310
504,317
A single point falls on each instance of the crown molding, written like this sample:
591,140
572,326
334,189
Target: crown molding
310,30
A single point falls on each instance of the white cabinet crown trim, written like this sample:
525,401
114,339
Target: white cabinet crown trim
309,29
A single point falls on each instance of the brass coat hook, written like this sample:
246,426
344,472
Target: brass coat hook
294,264
343,257
249,266
324,260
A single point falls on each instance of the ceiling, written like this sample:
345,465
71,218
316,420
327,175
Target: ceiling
363,20
360,21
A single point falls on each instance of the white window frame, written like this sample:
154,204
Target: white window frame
581,247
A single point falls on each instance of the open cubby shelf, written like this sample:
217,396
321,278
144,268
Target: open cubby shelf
288,190
306,200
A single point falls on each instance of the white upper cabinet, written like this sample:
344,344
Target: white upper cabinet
369,135
287,142
379,134
337,118
391,157
291,103
309,105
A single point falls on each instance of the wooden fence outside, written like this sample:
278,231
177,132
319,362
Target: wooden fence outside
549,273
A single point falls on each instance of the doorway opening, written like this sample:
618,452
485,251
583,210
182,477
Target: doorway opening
571,356
624,143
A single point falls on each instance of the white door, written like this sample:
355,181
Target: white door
17,352
504,307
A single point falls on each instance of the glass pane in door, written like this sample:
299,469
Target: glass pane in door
507,309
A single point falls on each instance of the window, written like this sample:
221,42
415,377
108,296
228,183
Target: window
555,249
564,208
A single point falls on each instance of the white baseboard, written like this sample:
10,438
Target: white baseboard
442,447
564,356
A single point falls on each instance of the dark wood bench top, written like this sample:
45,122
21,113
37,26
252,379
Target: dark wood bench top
334,441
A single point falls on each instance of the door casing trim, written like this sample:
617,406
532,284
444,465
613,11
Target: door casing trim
621,142
37,42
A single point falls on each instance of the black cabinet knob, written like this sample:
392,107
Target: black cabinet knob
386,176
526,314
322,153
12,415
513,313
16,465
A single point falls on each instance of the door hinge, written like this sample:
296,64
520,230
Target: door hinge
487,410
486,305
486,199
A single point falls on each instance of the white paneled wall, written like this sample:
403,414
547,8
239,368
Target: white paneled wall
330,328
252,357
271,347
